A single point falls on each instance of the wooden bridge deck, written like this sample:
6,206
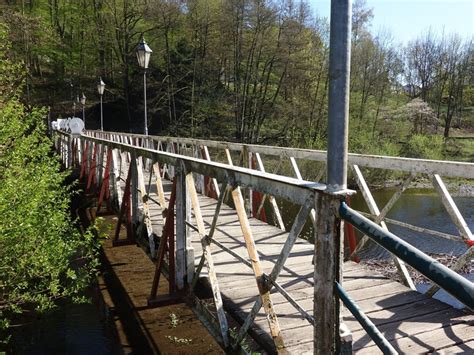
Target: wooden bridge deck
412,322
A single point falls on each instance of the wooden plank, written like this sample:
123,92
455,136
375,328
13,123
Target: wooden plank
134,187
280,186
116,174
425,166
406,313
293,277
430,341
283,256
425,323
464,348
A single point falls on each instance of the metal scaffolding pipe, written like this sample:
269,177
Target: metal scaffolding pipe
453,283
365,322
338,111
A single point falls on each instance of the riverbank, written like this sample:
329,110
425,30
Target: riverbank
456,187
387,268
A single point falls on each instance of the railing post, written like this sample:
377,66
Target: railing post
133,188
189,247
182,230
68,147
327,256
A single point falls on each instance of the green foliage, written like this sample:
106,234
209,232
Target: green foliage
421,146
43,257
249,71
363,142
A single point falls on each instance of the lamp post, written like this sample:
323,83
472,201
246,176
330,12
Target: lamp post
100,90
83,102
143,56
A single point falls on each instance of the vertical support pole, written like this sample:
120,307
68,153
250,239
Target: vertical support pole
329,232
70,140
189,248
182,230
338,111
144,104
116,171
133,188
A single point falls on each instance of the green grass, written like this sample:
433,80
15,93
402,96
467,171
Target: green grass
460,149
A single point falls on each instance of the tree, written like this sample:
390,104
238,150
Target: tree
420,114
422,56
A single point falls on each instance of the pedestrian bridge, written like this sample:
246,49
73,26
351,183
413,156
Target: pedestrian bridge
207,213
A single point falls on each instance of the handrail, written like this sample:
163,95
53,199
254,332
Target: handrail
426,166
289,188
458,286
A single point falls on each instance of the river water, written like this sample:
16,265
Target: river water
422,208
419,207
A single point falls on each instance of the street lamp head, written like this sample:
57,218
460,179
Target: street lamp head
100,87
143,54
83,99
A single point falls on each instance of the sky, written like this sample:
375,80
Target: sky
408,19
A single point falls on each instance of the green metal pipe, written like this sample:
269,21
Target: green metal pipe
453,283
366,323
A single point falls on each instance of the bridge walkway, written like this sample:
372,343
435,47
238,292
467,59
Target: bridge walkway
411,321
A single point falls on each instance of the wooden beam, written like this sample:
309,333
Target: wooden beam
288,188
257,269
159,186
369,199
273,203
451,207
146,218
326,270
224,327
296,169
182,230
214,181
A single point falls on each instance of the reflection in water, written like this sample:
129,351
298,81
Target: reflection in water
71,329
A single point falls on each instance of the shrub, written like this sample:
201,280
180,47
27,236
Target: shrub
425,147
43,257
